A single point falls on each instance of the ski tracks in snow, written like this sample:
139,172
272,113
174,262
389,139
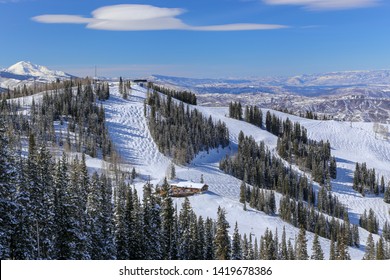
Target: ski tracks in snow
127,126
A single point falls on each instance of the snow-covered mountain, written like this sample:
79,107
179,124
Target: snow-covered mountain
25,72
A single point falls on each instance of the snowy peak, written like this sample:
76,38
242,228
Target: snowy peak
27,73
26,68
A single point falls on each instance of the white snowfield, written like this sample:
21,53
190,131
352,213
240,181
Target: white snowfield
129,131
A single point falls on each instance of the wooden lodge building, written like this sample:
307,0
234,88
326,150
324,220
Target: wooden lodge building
186,188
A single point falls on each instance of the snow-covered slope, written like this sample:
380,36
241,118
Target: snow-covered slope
351,143
128,128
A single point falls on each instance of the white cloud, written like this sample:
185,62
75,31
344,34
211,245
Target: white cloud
144,17
61,19
325,4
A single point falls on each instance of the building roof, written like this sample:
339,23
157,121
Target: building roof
187,184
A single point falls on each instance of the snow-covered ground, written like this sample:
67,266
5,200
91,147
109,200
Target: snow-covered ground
128,129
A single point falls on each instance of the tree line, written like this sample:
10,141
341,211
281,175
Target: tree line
182,95
293,144
366,182
253,114
69,117
181,132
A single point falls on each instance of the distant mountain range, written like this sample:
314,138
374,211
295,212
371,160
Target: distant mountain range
25,72
377,81
353,95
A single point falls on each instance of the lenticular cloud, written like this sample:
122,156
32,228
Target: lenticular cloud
144,17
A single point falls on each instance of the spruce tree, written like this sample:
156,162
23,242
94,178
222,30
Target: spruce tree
317,253
370,249
242,192
386,197
46,216
27,230
8,183
167,222
121,200
209,239
184,232
283,251
152,224
301,245
380,249
332,251
222,239
236,244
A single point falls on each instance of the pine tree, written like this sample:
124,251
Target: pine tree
317,253
301,245
236,245
195,250
167,222
201,238
46,214
332,253
122,201
290,249
386,197
78,195
152,224
342,248
136,243
222,240
27,230
8,183
382,185
380,250
333,168
370,248
209,239
242,192
95,225
184,232
283,252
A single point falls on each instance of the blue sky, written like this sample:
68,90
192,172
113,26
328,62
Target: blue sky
213,38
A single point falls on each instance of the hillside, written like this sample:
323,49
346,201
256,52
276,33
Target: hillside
128,128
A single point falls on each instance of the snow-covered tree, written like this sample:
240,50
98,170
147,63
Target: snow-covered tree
301,245
317,253
8,183
236,245
222,239
370,249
